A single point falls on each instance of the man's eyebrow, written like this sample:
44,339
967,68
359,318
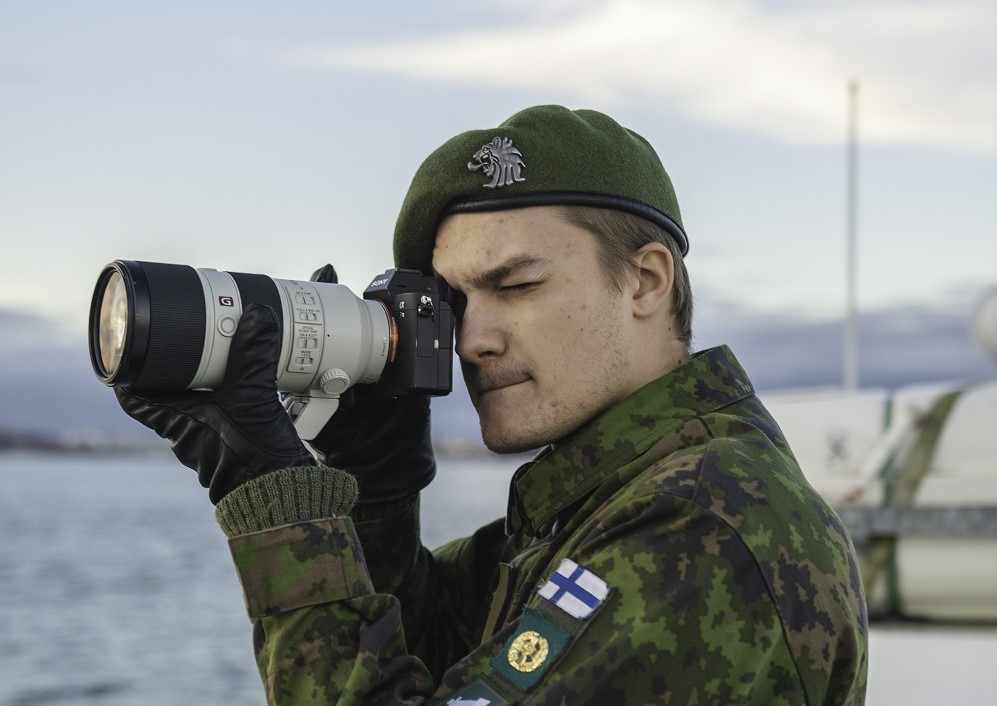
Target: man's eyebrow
507,269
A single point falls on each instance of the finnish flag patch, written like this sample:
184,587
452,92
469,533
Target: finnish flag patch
575,590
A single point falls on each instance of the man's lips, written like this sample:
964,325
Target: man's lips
483,383
502,386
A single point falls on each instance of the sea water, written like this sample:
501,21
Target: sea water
116,587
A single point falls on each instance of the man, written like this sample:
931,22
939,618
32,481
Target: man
664,547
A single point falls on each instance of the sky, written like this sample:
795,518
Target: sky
257,137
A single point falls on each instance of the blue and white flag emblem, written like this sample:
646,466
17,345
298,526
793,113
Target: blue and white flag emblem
575,590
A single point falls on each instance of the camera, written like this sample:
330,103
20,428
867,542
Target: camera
160,326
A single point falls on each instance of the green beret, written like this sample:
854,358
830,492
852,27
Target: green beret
541,156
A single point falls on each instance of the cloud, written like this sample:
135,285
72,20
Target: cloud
13,75
927,67
28,341
901,345
48,384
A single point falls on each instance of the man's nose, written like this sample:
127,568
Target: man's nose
479,334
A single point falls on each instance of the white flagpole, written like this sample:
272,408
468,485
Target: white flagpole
851,372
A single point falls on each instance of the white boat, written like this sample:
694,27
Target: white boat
913,473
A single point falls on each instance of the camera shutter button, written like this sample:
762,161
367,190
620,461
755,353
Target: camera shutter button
334,381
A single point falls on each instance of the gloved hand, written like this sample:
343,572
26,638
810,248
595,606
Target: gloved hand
238,431
384,443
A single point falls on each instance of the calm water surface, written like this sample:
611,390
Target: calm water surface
116,587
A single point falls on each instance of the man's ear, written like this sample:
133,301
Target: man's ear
655,269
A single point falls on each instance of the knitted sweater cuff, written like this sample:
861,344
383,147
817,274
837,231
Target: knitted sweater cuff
286,496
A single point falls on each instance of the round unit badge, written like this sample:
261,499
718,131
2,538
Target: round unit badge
528,651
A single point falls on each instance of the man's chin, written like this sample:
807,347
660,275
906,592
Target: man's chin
507,448
506,441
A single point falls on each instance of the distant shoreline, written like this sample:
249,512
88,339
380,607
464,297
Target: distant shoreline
11,442
79,443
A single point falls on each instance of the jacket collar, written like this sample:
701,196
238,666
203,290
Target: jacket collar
569,471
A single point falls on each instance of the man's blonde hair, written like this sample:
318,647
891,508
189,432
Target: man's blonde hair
620,235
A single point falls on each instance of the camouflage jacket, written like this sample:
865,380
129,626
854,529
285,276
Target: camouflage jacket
670,551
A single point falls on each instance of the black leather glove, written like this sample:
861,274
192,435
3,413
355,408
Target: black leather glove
384,443
238,431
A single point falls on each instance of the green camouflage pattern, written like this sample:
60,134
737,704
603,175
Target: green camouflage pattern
307,563
731,581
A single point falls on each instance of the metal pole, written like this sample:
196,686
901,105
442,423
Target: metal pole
851,365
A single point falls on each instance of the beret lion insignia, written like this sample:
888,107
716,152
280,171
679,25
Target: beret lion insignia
500,161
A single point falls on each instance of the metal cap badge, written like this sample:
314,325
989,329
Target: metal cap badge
500,161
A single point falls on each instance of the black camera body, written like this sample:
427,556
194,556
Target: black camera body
423,359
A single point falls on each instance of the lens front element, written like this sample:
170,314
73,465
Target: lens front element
113,323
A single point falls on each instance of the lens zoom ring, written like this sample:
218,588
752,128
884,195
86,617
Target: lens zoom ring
259,289
176,327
